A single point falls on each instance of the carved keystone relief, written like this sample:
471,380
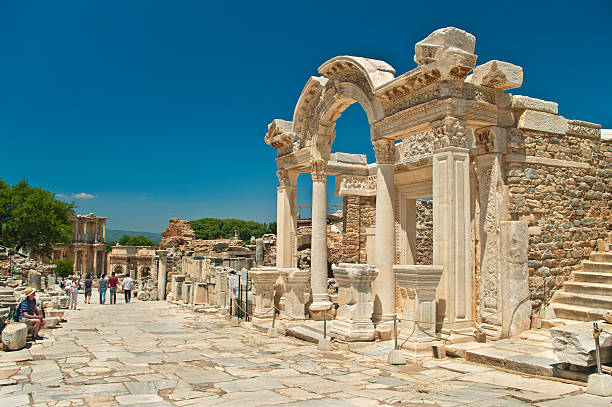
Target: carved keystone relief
385,152
318,170
416,147
452,132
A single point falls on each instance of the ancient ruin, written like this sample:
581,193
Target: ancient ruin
88,247
520,194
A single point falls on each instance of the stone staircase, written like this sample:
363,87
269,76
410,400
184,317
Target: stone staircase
588,295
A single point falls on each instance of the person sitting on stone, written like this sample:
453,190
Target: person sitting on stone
29,311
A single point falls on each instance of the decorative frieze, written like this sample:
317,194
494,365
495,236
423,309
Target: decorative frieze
414,148
356,185
583,129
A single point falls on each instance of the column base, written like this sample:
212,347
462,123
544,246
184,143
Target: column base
384,326
353,331
416,351
318,308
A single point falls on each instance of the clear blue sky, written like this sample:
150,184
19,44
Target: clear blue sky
158,109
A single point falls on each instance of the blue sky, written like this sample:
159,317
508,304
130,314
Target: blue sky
146,110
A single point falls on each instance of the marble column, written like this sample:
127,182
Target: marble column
75,266
452,237
161,274
318,268
95,263
354,316
286,217
384,243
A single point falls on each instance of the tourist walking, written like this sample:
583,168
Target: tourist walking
112,286
103,283
29,311
88,284
67,284
127,288
74,293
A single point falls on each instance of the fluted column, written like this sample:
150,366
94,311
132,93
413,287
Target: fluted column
318,267
286,219
384,243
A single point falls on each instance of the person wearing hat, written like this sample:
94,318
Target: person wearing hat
28,310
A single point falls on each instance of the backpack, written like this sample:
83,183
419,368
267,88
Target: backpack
17,311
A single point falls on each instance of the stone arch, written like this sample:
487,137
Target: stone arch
346,80
303,242
145,272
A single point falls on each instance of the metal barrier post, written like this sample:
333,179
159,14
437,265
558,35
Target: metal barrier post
324,324
395,330
596,332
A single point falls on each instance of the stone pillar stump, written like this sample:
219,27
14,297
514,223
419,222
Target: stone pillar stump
296,281
264,280
35,280
354,316
177,287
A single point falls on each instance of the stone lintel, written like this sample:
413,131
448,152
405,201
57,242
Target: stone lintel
418,276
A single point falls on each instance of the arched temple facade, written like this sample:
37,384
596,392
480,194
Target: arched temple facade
497,166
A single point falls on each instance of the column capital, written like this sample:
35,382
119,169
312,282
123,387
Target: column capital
384,151
318,169
452,132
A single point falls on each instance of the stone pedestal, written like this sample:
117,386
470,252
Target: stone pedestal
14,336
296,281
418,285
264,279
177,287
221,286
35,280
187,292
354,315
200,293
51,279
416,351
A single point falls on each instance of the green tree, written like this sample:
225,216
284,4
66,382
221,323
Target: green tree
32,217
109,246
212,228
136,241
64,267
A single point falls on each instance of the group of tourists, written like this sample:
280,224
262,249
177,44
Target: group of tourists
72,285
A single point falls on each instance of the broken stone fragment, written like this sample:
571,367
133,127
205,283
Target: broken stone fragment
447,52
497,75
525,102
575,344
541,121
14,336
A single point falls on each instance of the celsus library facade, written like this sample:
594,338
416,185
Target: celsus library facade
520,194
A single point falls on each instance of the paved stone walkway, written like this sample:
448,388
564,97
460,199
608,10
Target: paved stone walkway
159,354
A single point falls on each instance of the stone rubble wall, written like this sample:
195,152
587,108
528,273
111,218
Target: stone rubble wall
424,232
567,209
358,215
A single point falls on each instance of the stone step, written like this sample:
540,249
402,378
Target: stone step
604,257
578,312
588,288
599,266
584,300
592,277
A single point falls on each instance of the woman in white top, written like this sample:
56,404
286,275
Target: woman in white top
74,293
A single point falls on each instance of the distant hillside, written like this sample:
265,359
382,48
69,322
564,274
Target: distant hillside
113,235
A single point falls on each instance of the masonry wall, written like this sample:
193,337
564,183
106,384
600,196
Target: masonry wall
359,214
424,235
568,209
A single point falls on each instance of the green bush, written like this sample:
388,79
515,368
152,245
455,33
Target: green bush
136,241
64,267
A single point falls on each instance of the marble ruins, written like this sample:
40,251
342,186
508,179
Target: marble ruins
88,247
521,196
